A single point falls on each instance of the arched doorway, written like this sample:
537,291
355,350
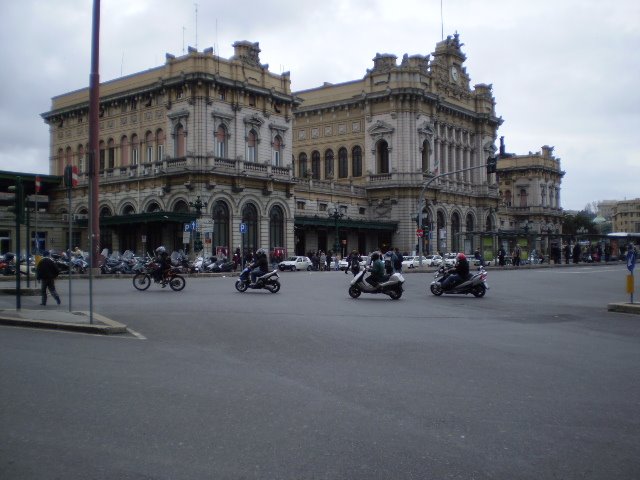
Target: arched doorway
455,233
250,218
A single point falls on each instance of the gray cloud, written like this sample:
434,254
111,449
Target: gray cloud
563,73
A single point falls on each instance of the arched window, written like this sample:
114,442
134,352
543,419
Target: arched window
105,212
489,224
181,207
343,163
250,218
60,161
153,207
101,148
302,167
523,197
382,157
455,232
507,198
68,156
135,150
221,142
148,139
81,160
160,144
425,156
128,210
328,164
221,225
441,231
124,151
276,228
277,150
470,223
356,161
181,141
315,165
111,153
251,146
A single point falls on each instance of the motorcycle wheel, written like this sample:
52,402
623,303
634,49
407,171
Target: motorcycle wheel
354,291
479,291
436,290
141,281
241,286
395,294
273,287
177,283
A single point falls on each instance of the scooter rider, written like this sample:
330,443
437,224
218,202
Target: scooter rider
260,266
458,274
377,270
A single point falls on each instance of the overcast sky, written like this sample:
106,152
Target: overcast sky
565,73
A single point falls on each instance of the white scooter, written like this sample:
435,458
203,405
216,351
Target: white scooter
391,287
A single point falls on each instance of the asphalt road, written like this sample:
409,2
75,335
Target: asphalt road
535,381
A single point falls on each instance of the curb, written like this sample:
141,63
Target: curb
102,325
624,307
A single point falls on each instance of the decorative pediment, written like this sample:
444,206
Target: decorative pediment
222,118
254,120
380,130
179,116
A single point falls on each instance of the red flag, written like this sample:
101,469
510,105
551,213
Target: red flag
37,184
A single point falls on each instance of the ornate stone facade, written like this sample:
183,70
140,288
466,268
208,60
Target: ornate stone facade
370,145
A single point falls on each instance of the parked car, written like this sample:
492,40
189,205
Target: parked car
295,263
450,259
434,260
413,262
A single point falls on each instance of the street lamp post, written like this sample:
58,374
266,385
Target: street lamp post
198,205
336,214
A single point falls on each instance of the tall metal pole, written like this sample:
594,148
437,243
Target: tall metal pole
70,240
94,154
19,208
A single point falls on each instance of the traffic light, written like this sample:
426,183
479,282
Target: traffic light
492,165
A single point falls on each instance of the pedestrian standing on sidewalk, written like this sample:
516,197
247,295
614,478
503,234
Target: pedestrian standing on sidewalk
46,272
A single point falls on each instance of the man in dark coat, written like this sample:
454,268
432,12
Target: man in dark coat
46,272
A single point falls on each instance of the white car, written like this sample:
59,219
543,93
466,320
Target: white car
295,263
434,260
450,259
414,262
344,265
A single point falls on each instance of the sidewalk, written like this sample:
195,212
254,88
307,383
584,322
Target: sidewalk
56,318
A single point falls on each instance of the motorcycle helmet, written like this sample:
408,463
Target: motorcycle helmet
461,256
161,250
261,251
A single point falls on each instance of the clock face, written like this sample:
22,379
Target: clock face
454,74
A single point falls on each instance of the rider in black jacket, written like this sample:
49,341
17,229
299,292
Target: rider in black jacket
260,266
459,273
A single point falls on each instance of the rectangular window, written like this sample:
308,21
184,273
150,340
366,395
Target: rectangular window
149,158
276,158
102,153
160,153
251,154
300,205
134,156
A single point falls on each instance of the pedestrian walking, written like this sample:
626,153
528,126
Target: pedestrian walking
47,272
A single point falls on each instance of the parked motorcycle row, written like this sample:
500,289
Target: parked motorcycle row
64,263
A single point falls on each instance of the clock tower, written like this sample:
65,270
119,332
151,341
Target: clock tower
447,64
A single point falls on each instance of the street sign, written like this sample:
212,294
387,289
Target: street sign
37,184
187,227
419,232
243,228
631,260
